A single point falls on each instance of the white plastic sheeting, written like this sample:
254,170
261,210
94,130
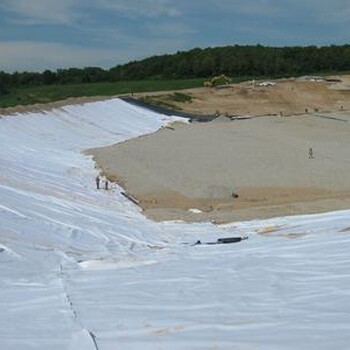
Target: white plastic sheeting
83,269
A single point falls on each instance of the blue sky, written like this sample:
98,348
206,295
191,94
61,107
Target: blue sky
40,34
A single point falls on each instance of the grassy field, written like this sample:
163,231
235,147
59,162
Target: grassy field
50,93
167,100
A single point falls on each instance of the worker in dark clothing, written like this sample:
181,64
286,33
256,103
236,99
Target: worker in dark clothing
106,185
311,153
97,182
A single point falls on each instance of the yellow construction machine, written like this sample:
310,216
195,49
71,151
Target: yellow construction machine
219,80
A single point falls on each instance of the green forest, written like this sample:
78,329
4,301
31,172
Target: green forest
235,61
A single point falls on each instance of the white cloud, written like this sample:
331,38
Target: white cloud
170,29
144,8
42,11
68,12
243,7
322,10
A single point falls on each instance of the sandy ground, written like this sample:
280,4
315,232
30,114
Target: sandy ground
265,160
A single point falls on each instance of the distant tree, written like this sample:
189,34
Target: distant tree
3,89
94,74
4,83
49,77
70,75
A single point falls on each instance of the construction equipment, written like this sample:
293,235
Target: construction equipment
218,80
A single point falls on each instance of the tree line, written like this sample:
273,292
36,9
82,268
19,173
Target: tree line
233,61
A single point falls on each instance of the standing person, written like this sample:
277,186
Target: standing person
97,182
311,153
106,185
